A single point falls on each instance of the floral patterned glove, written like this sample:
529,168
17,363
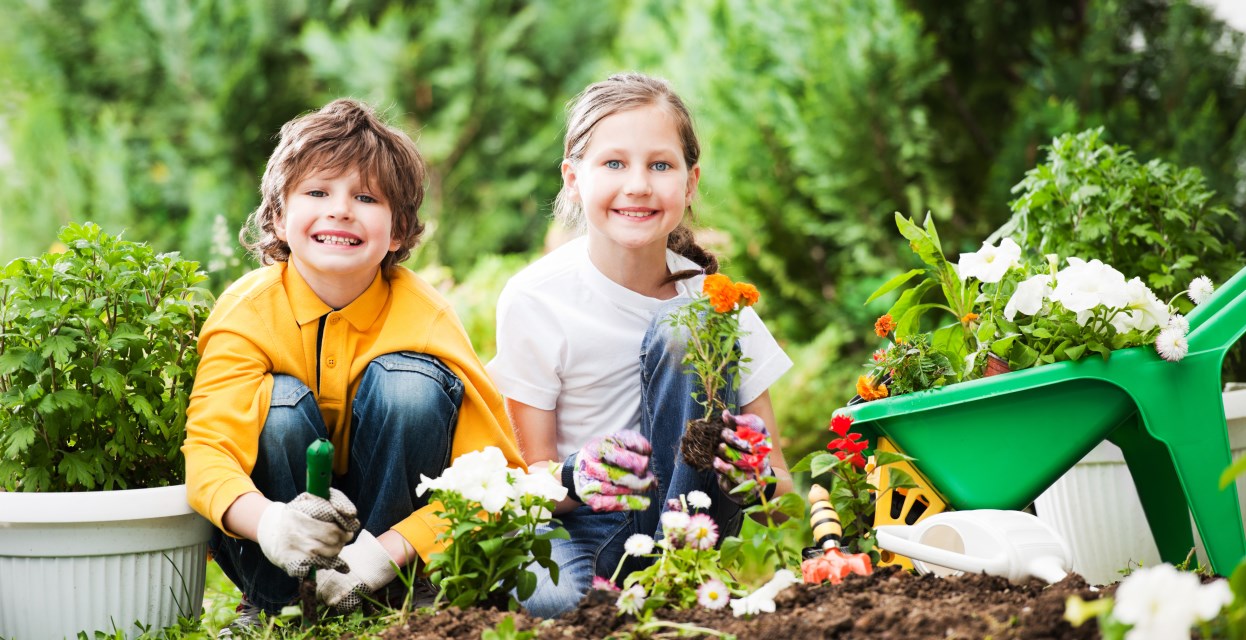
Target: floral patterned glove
743,455
609,473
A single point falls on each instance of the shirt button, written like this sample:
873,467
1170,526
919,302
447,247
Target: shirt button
335,319
332,362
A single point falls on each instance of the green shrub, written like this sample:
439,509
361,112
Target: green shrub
1155,220
97,360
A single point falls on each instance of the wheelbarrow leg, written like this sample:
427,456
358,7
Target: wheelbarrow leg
1159,490
1188,419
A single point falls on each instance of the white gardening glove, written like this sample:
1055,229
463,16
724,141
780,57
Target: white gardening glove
370,569
308,532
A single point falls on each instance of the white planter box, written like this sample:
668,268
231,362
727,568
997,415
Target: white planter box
99,561
1096,508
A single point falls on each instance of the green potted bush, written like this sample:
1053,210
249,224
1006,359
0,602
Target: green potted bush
97,360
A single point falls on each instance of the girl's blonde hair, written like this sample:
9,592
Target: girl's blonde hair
343,135
623,92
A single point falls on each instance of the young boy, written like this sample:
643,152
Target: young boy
332,338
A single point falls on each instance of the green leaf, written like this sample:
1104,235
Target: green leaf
823,463
900,479
893,284
525,584
1236,469
18,440
59,348
882,458
804,462
79,469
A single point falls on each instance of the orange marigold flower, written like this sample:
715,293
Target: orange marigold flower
969,317
884,325
869,391
748,293
721,291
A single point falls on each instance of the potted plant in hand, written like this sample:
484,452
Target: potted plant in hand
97,359
713,324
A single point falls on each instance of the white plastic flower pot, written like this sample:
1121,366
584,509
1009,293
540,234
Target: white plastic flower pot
1095,506
99,561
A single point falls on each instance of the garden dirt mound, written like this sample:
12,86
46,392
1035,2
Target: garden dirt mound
888,604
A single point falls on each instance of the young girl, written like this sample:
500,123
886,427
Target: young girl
594,378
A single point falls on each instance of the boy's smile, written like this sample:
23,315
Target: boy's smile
339,231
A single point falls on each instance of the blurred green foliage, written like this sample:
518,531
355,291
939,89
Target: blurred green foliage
819,119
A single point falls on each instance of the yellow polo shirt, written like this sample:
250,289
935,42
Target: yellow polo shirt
267,323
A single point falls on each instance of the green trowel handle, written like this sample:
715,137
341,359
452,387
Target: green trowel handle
319,467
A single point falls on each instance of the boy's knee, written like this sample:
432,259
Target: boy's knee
412,386
552,600
290,420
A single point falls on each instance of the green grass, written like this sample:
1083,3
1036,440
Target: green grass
221,597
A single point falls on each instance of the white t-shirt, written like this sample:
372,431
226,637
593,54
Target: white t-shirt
569,340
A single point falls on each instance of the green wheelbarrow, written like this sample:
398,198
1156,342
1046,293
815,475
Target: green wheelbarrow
999,442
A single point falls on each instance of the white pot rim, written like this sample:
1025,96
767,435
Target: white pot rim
96,506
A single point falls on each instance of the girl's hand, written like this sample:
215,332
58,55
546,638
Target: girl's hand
743,455
612,472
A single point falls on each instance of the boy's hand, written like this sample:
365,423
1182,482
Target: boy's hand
743,454
610,473
308,532
370,569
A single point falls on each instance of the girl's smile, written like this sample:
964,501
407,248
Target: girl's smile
634,186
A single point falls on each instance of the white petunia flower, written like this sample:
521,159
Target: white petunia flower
762,600
754,603
1082,286
1029,296
1171,345
638,544
989,264
1143,311
699,500
540,483
1200,289
1212,597
1163,603
480,476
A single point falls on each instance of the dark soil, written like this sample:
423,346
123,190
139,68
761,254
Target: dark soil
888,604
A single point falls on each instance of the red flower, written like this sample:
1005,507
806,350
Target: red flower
850,446
754,461
841,423
749,435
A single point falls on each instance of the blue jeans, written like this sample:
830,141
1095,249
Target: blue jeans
402,425
596,543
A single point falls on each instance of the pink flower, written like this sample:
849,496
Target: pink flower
702,532
604,584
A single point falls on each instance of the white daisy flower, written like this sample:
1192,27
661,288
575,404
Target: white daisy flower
638,545
631,600
1179,323
699,500
1171,345
1200,289
713,594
